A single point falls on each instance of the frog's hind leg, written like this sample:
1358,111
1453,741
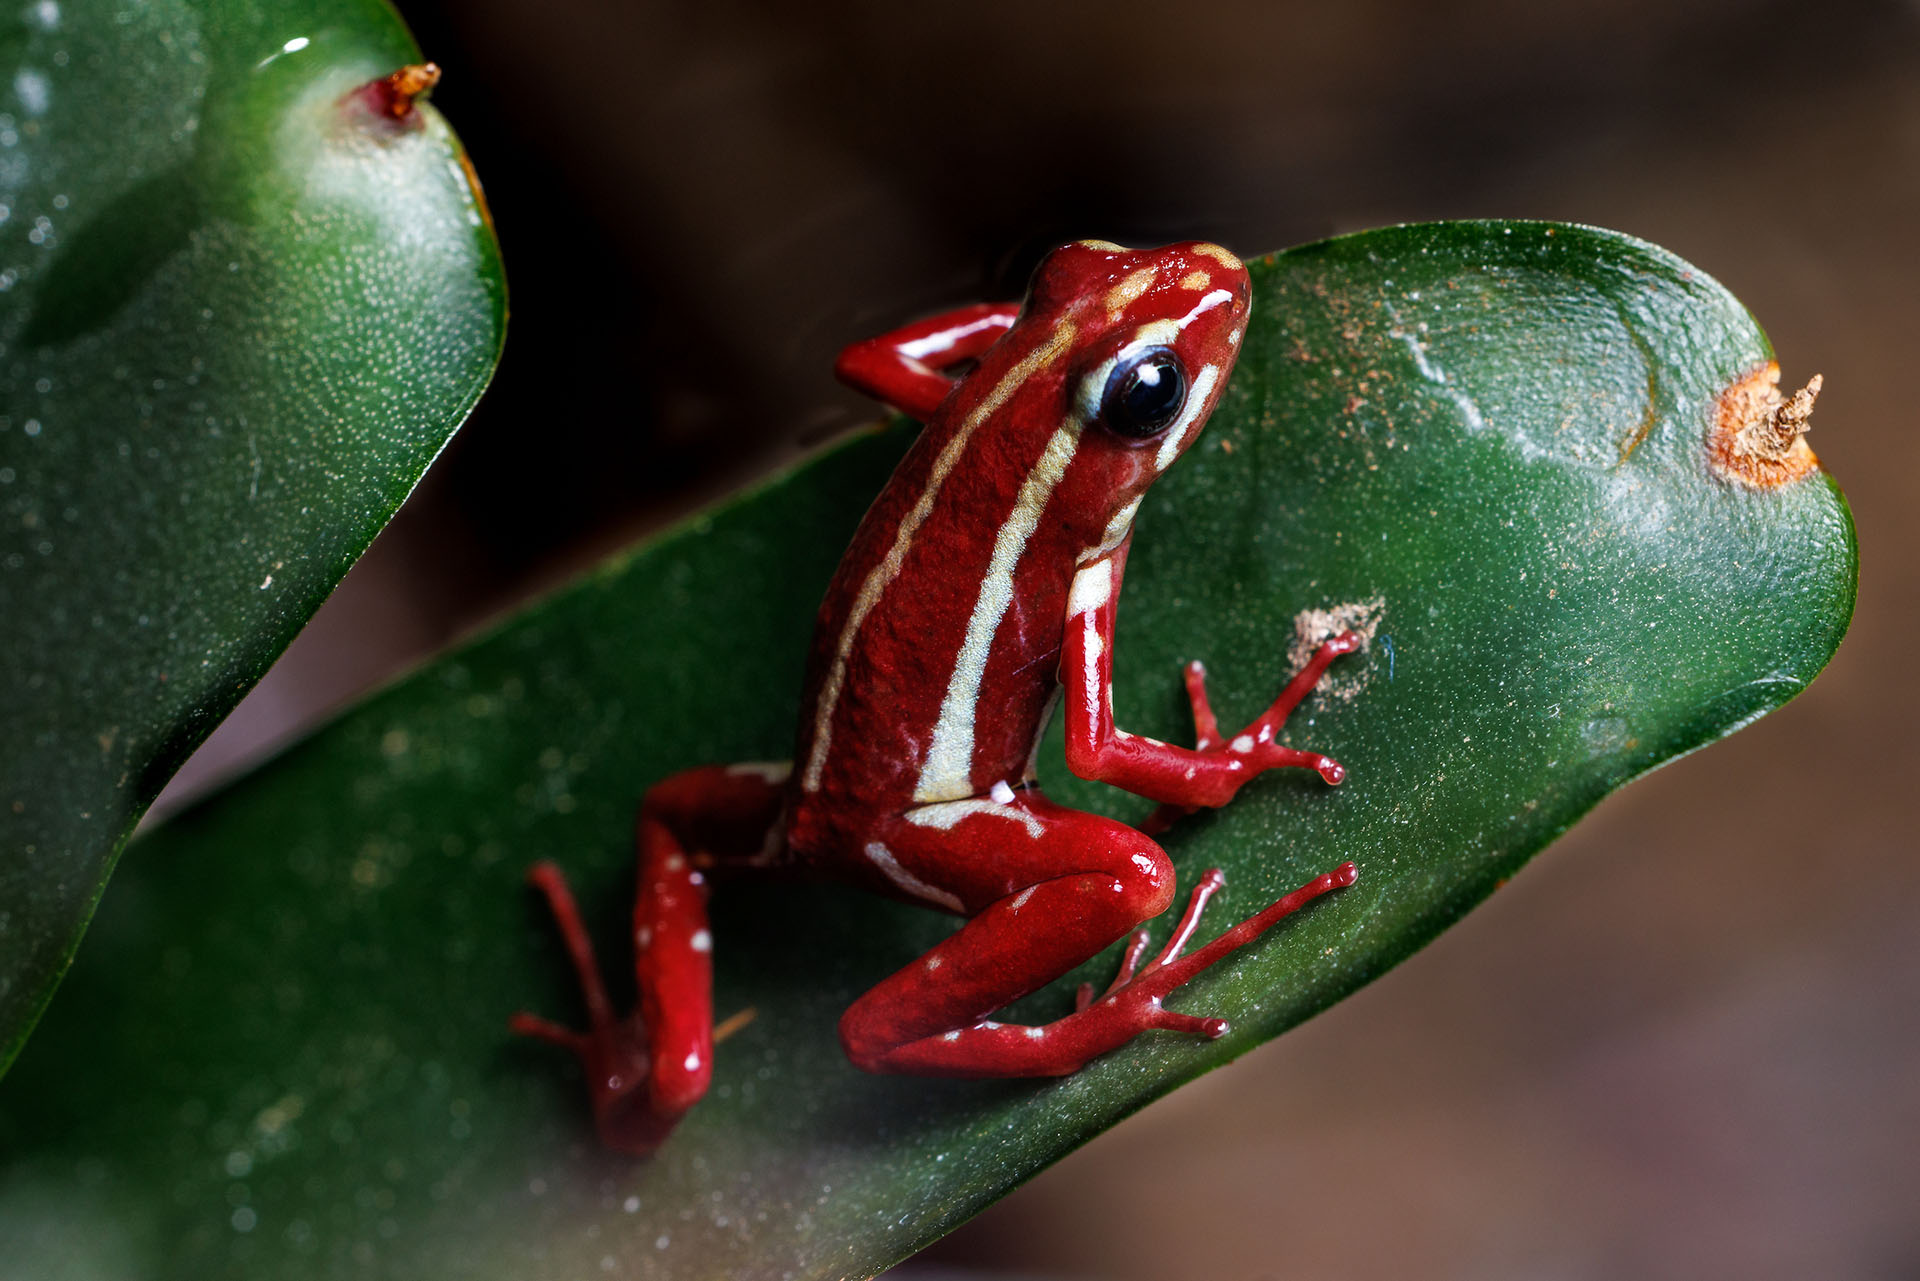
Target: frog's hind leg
646,1070
1046,888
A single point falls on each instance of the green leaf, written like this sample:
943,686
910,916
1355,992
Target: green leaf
237,320
285,1050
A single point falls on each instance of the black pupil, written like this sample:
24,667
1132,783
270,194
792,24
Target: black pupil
1146,396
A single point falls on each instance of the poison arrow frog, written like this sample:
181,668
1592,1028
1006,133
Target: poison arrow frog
979,588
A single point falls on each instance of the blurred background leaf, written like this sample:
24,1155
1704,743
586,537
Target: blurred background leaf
237,321
284,1052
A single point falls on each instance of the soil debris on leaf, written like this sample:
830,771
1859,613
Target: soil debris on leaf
1313,627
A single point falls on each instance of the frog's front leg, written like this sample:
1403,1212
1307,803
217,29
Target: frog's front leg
645,1070
1045,887
1182,779
903,368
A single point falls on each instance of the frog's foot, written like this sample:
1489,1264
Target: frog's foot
635,1105
1133,1004
614,1058
1256,744
1129,970
1263,730
1136,993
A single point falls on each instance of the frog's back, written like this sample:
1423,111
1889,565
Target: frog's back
928,617
936,651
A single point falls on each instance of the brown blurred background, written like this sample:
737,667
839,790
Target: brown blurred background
1686,1043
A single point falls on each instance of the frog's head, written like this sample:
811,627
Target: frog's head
1154,334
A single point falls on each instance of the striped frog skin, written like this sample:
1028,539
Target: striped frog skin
978,595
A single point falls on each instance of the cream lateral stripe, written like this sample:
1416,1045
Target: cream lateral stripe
1165,331
945,814
882,858
948,339
773,772
947,774
889,568
1117,530
1196,405
1223,256
1130,289
1090,670
1092,588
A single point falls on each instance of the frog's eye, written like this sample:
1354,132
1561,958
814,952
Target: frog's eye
1145,393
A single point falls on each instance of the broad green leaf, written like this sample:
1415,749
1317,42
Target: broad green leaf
284,1053
237,321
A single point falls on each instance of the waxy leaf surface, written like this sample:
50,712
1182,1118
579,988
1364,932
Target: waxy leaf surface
285,1051
237,321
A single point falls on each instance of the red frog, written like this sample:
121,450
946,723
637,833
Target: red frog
981,585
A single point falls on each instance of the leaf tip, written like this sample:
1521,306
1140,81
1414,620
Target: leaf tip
392,101
1758,436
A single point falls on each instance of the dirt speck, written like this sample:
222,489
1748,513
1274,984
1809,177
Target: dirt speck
1758,436
1351,674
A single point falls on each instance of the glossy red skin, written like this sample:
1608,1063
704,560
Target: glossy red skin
984,578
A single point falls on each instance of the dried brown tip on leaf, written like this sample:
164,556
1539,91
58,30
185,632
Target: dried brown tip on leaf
1795,414
1758,437
409,83
394,98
